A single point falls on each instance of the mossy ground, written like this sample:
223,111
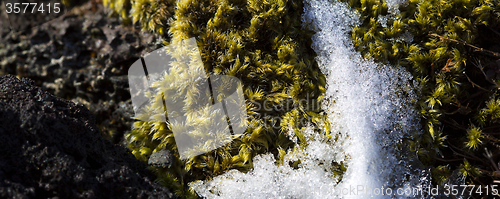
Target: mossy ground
450,47
260,42
453,57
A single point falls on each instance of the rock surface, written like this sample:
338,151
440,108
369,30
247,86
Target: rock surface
83,56
51,148
163,158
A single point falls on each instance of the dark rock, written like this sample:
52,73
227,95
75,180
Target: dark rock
51,148
23,21
65,56
162,158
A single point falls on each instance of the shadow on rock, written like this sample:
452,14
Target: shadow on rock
51,148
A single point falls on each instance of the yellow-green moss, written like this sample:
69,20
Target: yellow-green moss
445,57
152,15
264,45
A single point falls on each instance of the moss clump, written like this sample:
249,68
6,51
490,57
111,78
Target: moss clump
264,45
153,15
450,47
119,8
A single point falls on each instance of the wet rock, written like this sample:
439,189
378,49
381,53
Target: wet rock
51,148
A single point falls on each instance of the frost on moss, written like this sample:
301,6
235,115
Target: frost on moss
264,45
450,47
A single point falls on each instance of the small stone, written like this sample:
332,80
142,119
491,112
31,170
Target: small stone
162,158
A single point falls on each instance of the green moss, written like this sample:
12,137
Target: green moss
489,114
474,136
444,56
152,15
120,8
264,45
